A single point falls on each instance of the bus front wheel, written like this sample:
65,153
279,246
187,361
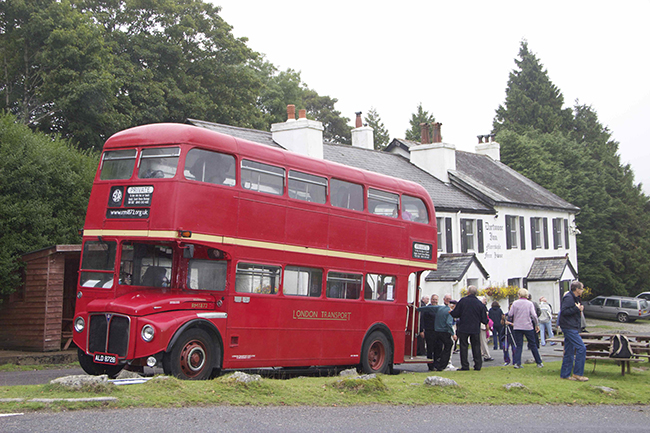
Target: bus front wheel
376,354
192,356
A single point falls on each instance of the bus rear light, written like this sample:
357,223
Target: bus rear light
185,233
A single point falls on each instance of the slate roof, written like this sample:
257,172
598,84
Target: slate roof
445,197
548,268
401,142
497,184
452,267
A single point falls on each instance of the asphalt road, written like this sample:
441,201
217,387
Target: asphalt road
306,419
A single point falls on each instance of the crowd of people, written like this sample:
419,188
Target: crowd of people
455,326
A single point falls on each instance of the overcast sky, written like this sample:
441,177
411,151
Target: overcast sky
455,57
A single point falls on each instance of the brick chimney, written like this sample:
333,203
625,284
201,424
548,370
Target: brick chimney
362,136
437,134
435,158
424,133
490,147
301,136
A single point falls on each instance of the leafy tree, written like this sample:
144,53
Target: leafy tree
417,118
381,136
57,71
532,100
44,188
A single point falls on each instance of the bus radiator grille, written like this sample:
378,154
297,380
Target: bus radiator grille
109,333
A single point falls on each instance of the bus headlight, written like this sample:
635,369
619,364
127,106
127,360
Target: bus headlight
147,333
79,324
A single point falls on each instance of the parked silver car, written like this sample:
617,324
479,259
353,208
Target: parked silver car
619,308
644,295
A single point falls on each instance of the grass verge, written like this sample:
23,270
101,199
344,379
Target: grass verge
540,386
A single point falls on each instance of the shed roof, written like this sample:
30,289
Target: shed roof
549,268
452,267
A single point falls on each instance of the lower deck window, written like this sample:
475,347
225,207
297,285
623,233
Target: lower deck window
146,265
98,256
379,287
206,275
343,286
252,278
300,281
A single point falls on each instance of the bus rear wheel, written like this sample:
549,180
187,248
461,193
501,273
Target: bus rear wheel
94,369
192,356
376,354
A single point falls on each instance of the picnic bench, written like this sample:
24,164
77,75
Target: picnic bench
598,348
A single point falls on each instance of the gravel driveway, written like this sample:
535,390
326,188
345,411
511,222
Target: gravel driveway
598,325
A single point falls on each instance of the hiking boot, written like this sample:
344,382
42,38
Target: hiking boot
580,378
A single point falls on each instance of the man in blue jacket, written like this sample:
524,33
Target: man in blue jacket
575,350
471,312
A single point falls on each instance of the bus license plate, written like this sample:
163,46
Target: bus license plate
105,358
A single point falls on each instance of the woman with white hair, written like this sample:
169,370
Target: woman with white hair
523,319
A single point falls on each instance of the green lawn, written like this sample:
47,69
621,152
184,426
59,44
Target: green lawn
542,386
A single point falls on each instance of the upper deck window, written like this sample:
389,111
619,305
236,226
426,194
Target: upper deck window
262,177
307,187
383,203
211,167
159,163
347,195
413,209
118,164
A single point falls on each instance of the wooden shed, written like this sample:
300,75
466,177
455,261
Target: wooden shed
38,316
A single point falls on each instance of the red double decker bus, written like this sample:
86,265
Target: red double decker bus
204,252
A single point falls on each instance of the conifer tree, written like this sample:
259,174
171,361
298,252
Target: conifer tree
572,154
417,118
532,100
381,136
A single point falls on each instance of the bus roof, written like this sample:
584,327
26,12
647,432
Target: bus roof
176,133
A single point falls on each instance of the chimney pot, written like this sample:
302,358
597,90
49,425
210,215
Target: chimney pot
424,133
302,114
291,112
480,139
358,123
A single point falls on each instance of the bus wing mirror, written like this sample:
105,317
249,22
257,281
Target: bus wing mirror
188,252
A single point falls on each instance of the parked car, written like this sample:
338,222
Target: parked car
644,295
619,308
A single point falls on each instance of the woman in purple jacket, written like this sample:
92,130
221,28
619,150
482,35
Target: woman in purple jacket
523,318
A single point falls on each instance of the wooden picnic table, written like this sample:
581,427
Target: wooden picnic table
598,348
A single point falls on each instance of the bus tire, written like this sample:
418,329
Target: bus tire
191,357
94,369
376,354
